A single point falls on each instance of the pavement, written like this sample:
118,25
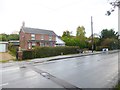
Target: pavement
60,57
41,60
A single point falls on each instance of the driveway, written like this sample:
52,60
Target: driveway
6,56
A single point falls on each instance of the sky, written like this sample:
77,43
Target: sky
57,15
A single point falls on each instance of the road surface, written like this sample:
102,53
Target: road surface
93,71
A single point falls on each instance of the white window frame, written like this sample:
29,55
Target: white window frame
42,37
29,45
32,36
50,37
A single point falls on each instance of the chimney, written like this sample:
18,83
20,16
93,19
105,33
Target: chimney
23,24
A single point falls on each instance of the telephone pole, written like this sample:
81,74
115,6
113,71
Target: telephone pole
119,19
92,34
115,4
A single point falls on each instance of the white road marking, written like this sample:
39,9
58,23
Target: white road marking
3,84
109,80
9,69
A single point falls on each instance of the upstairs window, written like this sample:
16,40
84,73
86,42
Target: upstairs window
50,38
42,37
32,36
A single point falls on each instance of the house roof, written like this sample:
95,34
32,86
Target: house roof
37,31
14,41
3,42
59,41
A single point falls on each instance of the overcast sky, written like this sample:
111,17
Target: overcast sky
56,15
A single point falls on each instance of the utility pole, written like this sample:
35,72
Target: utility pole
118,40
115,4
119,19
92,33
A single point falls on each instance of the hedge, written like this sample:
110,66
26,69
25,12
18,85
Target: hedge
28,54
99,48
12,49
41,52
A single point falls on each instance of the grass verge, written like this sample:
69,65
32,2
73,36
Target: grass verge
117,87
4,61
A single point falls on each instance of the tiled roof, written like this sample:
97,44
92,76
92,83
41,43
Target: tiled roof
37,31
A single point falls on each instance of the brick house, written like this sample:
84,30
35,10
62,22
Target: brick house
30,37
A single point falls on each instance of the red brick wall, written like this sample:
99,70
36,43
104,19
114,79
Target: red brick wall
46,37
24,37
37,36
27,37
54,38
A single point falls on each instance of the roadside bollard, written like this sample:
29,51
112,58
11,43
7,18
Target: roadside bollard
61,53
20,55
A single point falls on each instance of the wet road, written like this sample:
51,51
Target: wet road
94,71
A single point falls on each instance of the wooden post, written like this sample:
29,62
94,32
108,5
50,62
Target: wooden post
20,55
92,34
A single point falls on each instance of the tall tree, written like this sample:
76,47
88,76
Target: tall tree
109,38
105,33
111,43
66,34
78,40
13,37
80,35
6,37
3,37
80,32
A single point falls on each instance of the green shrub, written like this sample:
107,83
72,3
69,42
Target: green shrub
12,49
99,48
41,52
28,54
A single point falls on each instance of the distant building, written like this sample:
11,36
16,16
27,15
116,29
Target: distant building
3,46
59,42
30,37
14,42
15,32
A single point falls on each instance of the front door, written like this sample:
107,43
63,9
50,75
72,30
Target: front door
29,45
38,44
